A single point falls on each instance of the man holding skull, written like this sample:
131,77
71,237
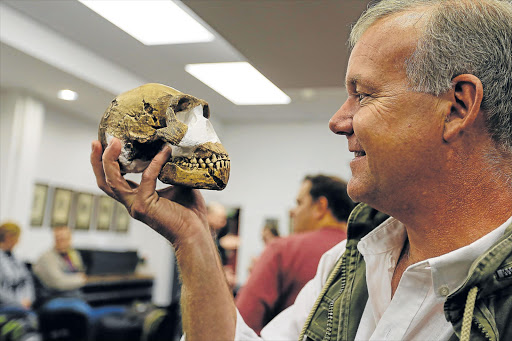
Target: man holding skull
429,120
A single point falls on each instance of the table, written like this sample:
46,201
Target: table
118,289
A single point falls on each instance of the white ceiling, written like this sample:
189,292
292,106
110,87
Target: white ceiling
300,45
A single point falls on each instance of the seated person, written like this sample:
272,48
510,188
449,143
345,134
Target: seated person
16,284
60,269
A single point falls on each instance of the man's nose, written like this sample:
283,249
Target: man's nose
341,122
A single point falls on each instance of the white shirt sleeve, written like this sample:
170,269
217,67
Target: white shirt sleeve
288,324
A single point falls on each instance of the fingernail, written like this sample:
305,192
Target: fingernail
110,142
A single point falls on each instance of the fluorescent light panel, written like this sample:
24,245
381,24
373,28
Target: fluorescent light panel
239,82
152,22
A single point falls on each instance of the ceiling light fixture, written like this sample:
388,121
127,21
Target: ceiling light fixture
152,22
67,95
239,82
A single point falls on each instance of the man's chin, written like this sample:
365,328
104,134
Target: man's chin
357,190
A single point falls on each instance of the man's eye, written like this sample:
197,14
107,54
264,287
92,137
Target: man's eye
361,97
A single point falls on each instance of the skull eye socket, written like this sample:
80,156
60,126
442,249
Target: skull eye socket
183,104
186,103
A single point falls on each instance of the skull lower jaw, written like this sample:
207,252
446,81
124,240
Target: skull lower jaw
209,177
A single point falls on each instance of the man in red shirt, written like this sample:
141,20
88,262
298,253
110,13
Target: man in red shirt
288,263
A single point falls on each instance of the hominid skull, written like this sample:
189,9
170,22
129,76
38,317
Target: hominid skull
147,117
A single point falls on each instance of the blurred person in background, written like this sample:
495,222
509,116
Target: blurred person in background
269,232
226,242
60,269
16,284
217,219
288,263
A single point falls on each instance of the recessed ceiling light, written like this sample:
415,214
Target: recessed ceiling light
239,82
67,95
152,22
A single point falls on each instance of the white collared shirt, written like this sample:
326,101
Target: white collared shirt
416,310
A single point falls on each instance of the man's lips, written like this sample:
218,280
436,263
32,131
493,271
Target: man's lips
359,153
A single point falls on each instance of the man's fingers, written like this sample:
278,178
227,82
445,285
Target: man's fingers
97,167
113,177
150,174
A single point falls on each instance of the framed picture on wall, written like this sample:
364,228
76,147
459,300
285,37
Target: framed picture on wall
62,199
38,204
105,213
83,213
122,219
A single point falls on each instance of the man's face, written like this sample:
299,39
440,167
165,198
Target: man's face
303,213
62,239
395,133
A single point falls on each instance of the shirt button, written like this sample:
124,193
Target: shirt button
444,291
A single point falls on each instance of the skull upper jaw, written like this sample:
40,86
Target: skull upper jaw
208,167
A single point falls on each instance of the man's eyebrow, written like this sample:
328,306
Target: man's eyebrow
352,80
358,80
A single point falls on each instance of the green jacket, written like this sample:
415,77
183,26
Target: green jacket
338,310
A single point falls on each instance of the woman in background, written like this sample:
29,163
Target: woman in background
16,284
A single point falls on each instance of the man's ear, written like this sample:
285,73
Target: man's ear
466,98
321,206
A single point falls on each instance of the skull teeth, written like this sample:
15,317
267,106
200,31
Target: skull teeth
213,162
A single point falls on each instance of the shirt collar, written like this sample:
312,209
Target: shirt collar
388,237
448,271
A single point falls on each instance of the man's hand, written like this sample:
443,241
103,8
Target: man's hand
177,213
26,303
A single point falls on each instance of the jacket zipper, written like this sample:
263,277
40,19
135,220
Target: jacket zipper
482,329
330,311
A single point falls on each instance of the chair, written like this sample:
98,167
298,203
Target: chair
65,319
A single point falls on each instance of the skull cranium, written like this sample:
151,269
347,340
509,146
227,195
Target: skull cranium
147,117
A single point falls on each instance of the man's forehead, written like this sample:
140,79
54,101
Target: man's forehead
383,48
62,232
304,189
